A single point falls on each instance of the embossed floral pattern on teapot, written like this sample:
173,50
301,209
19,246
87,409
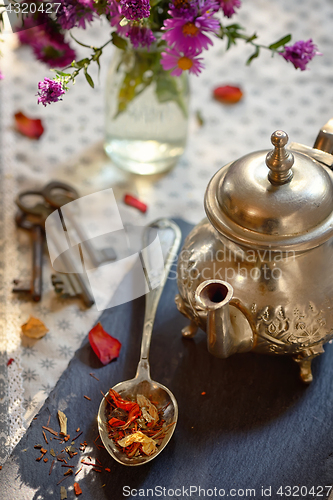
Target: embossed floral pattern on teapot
257,273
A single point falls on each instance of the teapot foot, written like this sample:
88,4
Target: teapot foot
190,330
304,360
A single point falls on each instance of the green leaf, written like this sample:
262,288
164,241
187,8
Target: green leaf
283,41
118,41
254,56
81,63
61,73
89,79
168,90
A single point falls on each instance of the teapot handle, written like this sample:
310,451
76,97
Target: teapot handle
324,140
322,150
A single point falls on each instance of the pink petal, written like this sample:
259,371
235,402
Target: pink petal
104,346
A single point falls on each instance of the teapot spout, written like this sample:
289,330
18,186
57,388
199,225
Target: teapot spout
228,330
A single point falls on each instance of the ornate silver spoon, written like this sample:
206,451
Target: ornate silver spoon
169,238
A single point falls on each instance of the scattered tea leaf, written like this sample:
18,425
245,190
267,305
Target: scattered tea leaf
52,452
34,328
63,422
104,345
199,118
63,493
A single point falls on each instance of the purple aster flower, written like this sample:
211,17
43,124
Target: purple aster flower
115,16
54,53
229,6
300,53
76,13
182,8
140,36
179,61
49,91
135,9
188,34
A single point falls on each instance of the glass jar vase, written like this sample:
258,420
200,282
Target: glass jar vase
146,112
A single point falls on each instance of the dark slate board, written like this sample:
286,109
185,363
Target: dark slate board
256,426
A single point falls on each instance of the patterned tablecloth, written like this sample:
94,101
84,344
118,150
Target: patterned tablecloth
275,96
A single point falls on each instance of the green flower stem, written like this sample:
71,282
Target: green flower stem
83,64
233,32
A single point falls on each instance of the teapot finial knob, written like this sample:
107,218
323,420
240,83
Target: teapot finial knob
279,160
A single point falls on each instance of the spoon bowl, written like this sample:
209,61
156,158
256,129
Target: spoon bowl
142,384
129,390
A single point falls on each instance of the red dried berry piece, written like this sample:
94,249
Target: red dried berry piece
228,94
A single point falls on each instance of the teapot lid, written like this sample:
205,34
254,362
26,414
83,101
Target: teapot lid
274,199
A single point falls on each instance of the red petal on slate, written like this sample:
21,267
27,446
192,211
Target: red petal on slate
104,346
29,127
228,94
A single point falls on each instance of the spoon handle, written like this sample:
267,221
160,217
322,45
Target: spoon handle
169,246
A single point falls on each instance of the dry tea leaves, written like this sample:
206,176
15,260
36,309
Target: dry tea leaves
149,411
63,422
137,428
63,493
34,328
148,444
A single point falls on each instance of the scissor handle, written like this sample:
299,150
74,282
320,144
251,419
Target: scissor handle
40,209
58,193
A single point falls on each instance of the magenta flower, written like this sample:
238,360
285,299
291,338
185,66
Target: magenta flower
49,91
301,53
140,36
229,6
189,33
55,54
115,16
1,76
76,13
181,61
135,9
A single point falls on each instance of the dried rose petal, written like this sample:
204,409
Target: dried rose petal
29,127
134,202
34,328
228,94
104,346
9,362
77,489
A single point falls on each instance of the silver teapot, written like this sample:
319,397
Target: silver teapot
257,273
